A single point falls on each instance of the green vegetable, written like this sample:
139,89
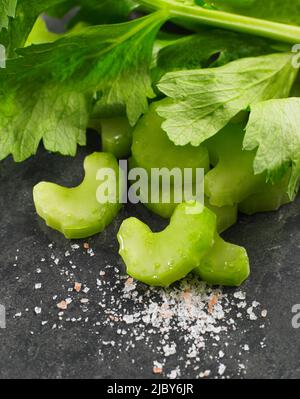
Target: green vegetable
205,100
270,198
111,60
116,134
226,216
152,148
274,129
232,180
76,212
232,103
274,10
225,264
209,48
190,11
160,259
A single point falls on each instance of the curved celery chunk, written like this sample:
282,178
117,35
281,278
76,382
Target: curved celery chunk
152,148
225,264
76,212
232,180
270,198
160,259
226,216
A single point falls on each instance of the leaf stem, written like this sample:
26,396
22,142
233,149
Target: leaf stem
259,27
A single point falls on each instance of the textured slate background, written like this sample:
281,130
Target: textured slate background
273,242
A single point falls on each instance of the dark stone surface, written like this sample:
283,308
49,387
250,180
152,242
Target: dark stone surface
28,349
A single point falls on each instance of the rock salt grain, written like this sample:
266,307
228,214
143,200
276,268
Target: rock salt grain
221,369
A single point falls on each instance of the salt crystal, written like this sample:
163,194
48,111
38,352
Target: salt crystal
37,310
221,369
264,313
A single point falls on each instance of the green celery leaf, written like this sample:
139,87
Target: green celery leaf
287,11
211,47
19,28
7,9
274,129
205,100
47,92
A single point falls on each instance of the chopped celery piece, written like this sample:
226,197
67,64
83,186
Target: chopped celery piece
232,180
225,264
160,259
152,148
116,136
76,212
226,215
270,198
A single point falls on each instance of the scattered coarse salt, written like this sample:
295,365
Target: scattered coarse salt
19,314
202,316
37,310
252,315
